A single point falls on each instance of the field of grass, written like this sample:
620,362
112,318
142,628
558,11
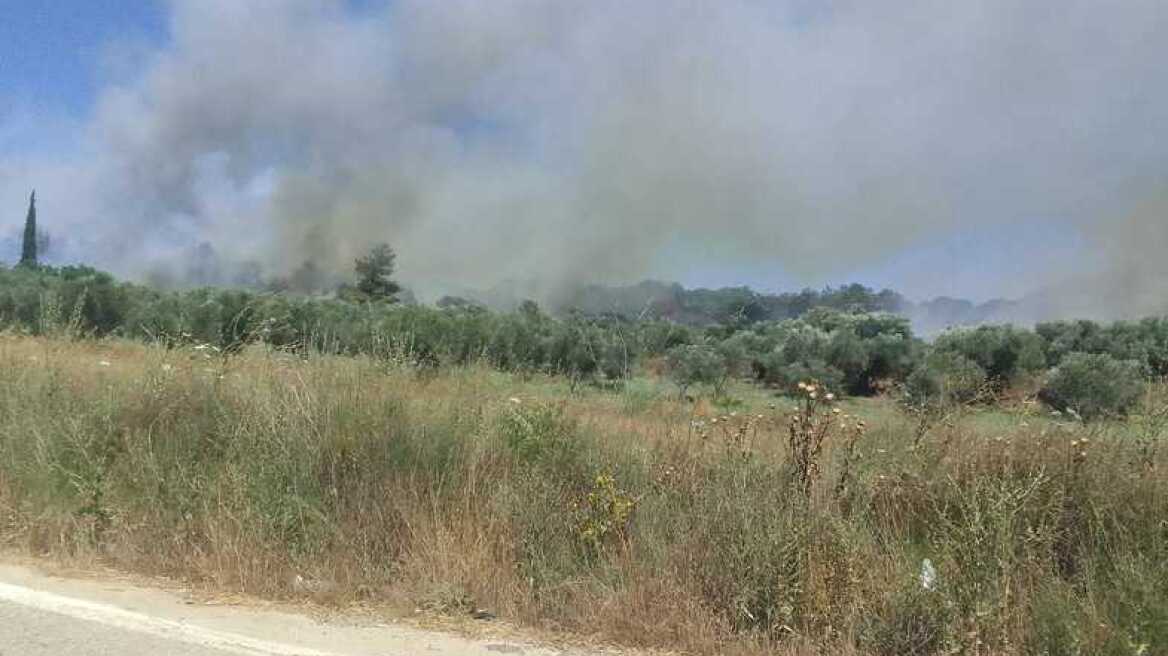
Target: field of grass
627,516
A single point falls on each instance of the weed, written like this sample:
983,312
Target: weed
287,473
606,514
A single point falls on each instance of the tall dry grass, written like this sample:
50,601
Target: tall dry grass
624,516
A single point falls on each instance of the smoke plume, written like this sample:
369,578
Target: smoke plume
580,141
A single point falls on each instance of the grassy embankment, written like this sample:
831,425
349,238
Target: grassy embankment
627,516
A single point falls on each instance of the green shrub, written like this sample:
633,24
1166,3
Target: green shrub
801,352
850,352
943,379
1093,385
536,432
1145,341
605,514
1005,353
696,364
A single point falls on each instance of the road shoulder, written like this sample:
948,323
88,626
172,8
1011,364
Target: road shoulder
121,602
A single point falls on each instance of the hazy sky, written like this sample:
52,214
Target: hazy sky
971,149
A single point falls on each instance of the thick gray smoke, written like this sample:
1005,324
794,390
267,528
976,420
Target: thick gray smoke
568,141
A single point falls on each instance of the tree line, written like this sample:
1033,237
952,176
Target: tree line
852,351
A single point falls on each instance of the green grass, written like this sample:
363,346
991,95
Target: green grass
626,515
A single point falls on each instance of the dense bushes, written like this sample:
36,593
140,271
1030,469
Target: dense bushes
1004,353
944,379
844,350
850,352
857,353
847,351
44,300
92,303
693,364
1093,385
1144,341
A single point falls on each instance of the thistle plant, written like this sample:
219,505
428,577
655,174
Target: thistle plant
813,422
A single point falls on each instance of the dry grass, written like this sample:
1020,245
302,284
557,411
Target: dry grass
354,480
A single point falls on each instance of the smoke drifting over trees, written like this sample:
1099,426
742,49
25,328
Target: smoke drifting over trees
567,142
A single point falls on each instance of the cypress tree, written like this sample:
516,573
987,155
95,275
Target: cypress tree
28,252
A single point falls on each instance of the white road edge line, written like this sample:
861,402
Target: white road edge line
128,620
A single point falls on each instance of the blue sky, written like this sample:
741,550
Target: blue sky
51,51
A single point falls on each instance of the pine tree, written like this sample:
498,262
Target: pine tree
373,274
28,252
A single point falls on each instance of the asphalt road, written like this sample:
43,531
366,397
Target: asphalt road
84,615
29,632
